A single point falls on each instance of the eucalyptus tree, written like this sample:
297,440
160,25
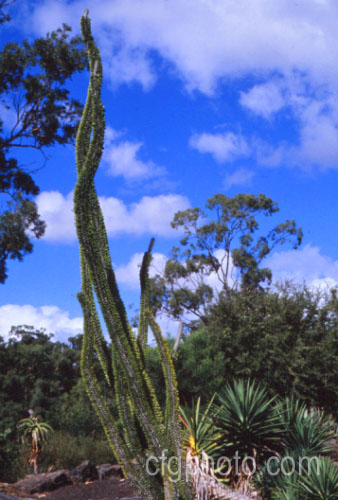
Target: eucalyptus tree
222,246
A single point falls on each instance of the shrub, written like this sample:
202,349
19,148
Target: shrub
64,451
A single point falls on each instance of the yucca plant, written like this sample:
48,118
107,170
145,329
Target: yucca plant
322,481
37,432
289,491
307,432
248,420
250,427
312,478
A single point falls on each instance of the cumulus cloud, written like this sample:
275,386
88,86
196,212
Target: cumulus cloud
318,138
57,211
315,114
50,317
316,145
129,65
264,99
207,40
306,265
151,215
128,275
122,159
223,147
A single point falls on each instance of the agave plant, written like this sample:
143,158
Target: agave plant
201,434
322,481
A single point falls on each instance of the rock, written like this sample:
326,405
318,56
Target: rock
84,472
334,451
109,470
133,498
47,481
4,496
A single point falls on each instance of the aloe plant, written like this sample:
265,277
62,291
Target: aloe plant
37,432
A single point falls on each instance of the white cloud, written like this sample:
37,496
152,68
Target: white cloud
306,265
313,111
214,280
151,215
128,275
121,159
239,177
127,66
52,318
264,99
318,139
223,147
57,211
317,144
208,40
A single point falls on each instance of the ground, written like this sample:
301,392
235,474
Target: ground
106,489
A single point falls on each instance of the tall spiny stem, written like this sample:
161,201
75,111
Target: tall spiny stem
147,429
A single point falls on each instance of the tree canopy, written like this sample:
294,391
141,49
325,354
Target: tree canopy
4,16
33,93
224,243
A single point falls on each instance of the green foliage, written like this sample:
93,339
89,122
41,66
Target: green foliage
322,482
146,427
66,451
287,339
4,16
201,433
32,87
35,430
76,414
248,420
306,432
200,366
9,451
38,373
305,439
318,480
15,241
34,373
226,235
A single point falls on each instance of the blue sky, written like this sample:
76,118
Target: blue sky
201,97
